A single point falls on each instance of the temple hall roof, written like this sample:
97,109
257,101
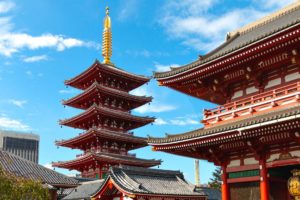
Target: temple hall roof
251,34
137,180
20,167
252,121
85,190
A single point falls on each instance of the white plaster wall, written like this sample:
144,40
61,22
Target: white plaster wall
250,90
291,77
273,157
250,161
237,94
127,198
295,153
273,82
234,163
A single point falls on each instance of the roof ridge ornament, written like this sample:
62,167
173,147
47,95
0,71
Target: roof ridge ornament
107,39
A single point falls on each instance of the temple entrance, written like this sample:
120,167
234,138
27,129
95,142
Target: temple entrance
279,182
245,191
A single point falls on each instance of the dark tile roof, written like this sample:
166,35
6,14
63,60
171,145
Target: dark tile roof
85,190
212,194
231,126
27,169
137,180
238,40
111,157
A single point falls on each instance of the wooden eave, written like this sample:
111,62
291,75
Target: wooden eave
226,131
114,71
105,134
97,88
96,110
106,158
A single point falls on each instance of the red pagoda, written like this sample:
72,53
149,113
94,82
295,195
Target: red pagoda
254,134
106,117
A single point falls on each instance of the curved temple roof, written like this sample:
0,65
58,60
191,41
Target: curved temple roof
236,126
107,157
95,87
154,182
271,25
91,134
26,169
95,110
139,80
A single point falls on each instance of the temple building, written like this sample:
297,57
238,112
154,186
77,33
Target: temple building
136,183
106,118
21,167
253,134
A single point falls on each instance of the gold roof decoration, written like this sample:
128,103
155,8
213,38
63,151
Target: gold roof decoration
107,39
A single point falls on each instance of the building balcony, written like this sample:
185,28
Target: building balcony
266,101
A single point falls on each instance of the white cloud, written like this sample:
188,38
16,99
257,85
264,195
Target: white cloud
146,53
183,122
14,41
68,91
154,108
6,6
129,9
274,3
35,58
197,25
49,166
18,103
28,73
164,68
179,121
12,124
160,121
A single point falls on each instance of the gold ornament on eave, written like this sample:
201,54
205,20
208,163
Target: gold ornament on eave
107,39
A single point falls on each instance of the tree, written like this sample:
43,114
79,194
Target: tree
13,187
216,181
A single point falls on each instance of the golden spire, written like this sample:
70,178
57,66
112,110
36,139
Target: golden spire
107,39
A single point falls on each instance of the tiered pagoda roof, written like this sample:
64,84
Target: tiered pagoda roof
106,119
113,159
100,134
97,71
94,94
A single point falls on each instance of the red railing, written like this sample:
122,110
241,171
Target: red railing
272,97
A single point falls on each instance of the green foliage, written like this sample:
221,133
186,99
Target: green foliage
18,188
216,181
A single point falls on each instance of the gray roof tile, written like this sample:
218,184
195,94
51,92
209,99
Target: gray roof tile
27,169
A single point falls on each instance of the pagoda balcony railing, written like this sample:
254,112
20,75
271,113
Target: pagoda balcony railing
267,100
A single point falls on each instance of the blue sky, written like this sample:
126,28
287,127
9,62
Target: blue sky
43,43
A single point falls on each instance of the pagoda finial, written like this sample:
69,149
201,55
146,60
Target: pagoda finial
107,39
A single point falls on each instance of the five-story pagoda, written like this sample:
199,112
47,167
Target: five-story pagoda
107,118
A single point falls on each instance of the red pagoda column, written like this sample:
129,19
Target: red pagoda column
264,181
225,186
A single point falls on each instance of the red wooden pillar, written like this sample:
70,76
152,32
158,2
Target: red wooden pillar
225,186
264,180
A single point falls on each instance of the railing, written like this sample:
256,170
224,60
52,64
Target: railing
252,104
